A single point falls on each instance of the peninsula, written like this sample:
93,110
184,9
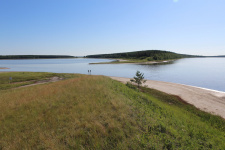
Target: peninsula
146,56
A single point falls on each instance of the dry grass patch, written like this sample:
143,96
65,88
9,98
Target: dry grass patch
75,113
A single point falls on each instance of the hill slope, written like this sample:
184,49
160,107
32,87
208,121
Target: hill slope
95,112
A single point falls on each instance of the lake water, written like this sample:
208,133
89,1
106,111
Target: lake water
202,72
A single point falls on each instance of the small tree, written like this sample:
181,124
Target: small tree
138,79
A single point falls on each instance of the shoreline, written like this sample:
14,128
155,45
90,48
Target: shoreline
210,90
208,100
123,61
3,68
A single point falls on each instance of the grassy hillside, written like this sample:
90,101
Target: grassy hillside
95,112
149,55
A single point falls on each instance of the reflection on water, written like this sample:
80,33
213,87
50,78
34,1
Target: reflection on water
202,72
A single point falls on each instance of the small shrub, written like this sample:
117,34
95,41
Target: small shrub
130,85
150,59
138,79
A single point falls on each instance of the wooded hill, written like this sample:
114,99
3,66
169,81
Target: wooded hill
33,56
146,54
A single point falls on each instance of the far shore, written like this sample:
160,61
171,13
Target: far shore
207,100
37,58
3,68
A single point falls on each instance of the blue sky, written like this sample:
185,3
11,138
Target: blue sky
82,27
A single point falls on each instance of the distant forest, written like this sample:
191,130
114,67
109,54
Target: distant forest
33,56
147,54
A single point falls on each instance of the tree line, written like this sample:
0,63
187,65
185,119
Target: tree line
33,56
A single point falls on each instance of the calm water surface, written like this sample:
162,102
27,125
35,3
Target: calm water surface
201,72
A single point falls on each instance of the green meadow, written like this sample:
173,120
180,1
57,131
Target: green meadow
96,112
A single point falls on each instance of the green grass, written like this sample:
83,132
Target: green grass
25,78
95,112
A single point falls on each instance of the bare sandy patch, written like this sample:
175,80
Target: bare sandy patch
52,79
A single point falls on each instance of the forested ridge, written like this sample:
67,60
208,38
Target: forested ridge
146,54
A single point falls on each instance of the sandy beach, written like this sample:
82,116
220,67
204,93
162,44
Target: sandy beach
205,99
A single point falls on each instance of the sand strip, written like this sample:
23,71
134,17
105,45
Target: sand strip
205,99
52,79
